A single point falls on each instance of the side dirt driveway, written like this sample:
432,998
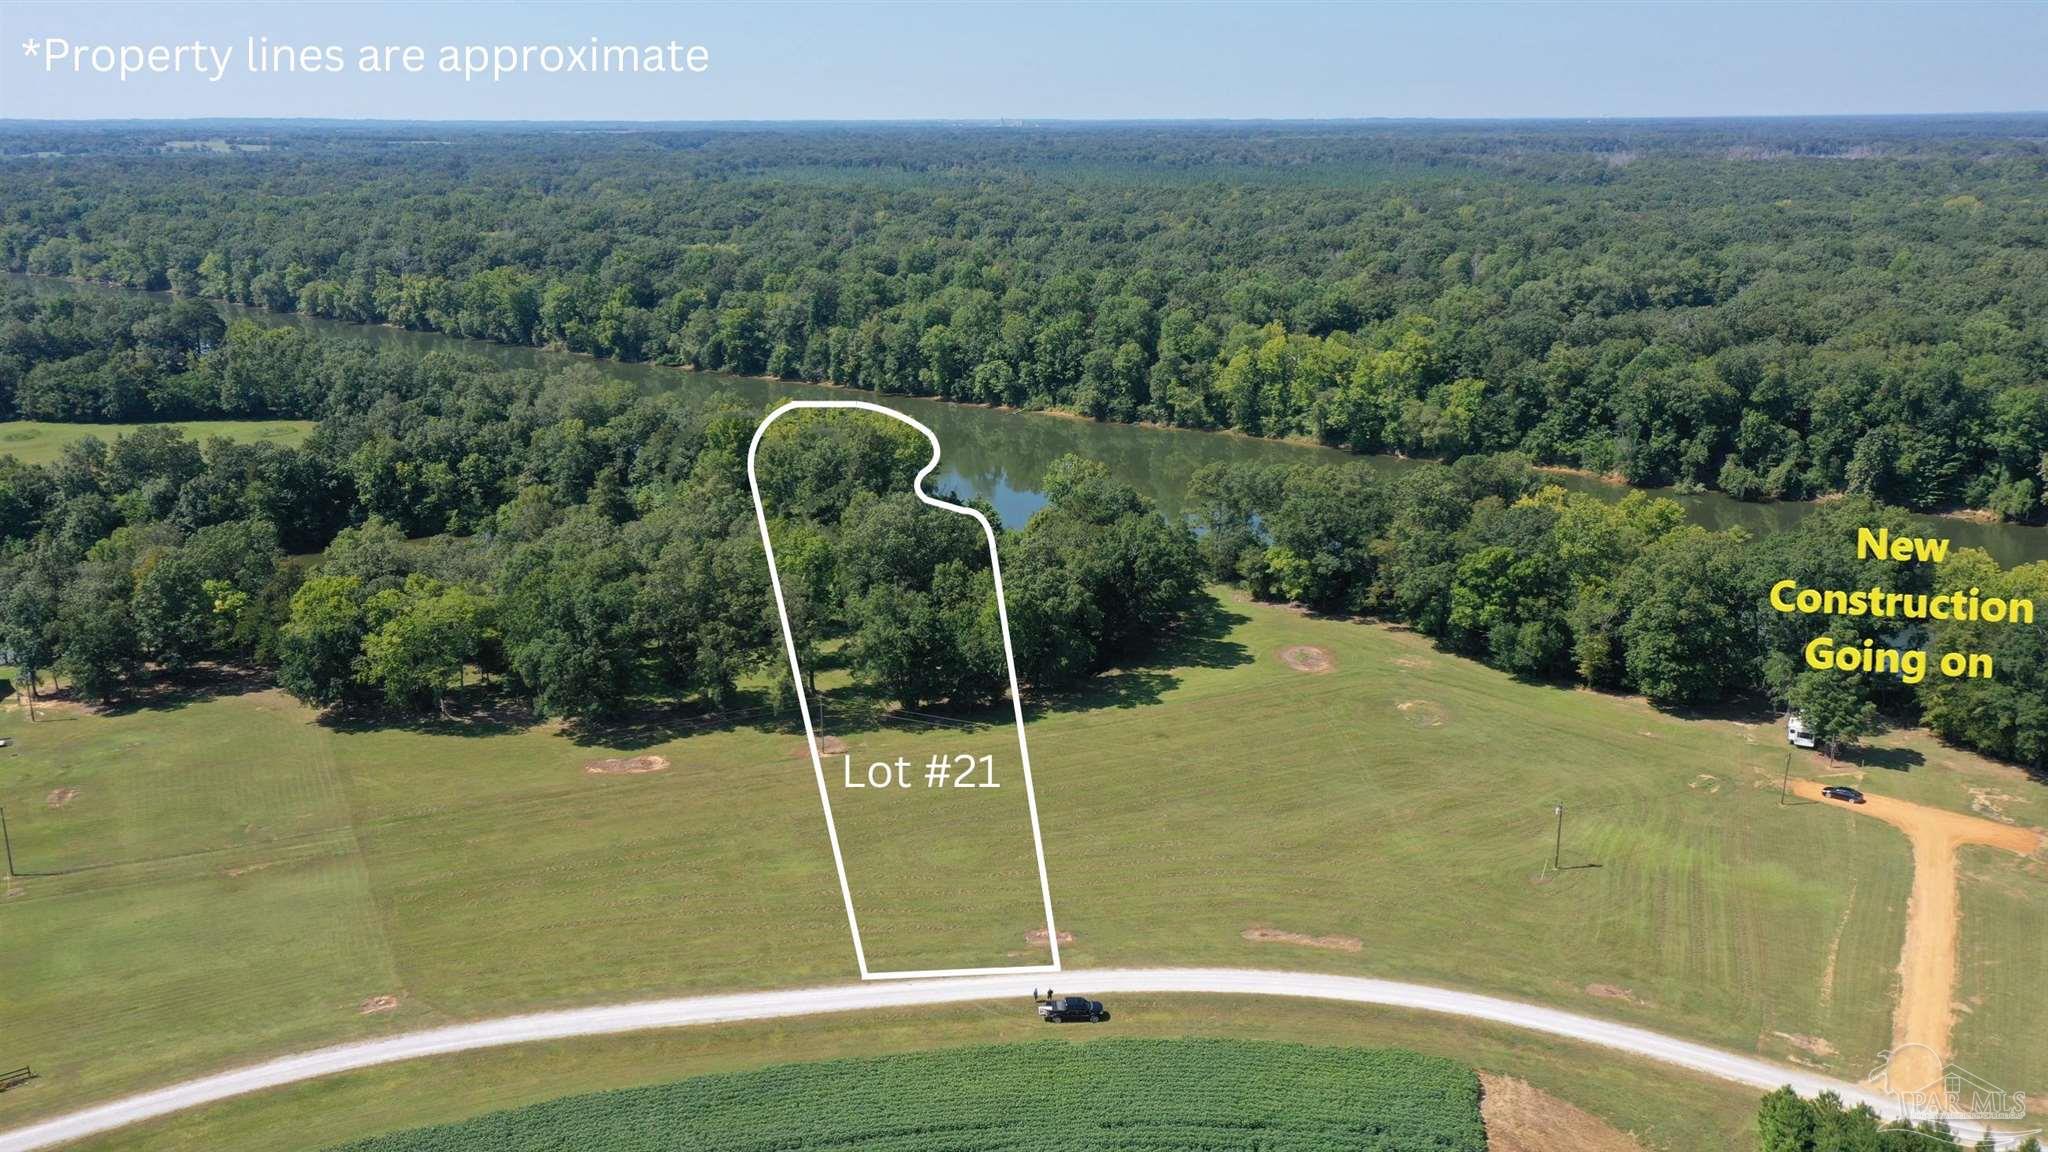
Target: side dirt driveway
1927,969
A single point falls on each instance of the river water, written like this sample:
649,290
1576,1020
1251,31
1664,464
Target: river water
1001,455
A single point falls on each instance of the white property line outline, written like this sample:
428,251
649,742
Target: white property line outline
796,672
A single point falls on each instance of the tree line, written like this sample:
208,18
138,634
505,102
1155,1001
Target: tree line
1789,1122
585,547
588,547
1775,310
1555,585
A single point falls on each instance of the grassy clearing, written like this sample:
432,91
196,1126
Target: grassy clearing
1395,811
40,442
2002,1014
1666,1109
1128,1093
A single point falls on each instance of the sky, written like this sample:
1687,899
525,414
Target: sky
799,61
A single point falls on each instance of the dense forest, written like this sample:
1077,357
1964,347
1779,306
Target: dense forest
590,548
1775,309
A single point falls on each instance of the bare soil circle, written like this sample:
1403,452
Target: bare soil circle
627,766
1308,658
1304,940
1422,713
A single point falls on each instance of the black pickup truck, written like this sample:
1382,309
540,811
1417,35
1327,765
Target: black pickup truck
1068,1009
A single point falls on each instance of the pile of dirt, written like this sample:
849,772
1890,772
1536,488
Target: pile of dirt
1308,658
61,796
1037,936
630,766
376,1004
1520,1118
1422,713
1275,936
1616,992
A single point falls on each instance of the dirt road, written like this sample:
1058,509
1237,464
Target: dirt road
1927,967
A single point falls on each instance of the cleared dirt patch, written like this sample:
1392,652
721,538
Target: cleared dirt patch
245,869
376,1004
1333,943
1520,1118
1812,1045
1990,804
1927,966
1422,713
1705,783
827,746
1308,658
59,797
1413,663
1616,992
1037,936
629,766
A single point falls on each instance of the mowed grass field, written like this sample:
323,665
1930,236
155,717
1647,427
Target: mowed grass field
2002,1015
40,442
227,879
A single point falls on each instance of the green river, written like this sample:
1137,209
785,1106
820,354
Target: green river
1001,455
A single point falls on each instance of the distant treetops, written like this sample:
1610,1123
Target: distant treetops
1775,310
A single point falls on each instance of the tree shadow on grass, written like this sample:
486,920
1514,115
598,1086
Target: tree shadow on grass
1202,641
169,692
474,712
1892,759
640,728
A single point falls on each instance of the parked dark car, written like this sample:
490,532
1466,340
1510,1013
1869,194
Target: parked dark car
1069,1009
1843,793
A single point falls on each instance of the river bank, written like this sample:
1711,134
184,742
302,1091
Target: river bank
1000,454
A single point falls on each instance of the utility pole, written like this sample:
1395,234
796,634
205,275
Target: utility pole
1557,851
1785,785
8,841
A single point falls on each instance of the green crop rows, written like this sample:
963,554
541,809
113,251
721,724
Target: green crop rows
1129,1095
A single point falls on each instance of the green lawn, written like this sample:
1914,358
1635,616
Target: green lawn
264,876
2003,1014
1666,1109
39,442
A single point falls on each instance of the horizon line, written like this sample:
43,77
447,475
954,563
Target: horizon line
1014,121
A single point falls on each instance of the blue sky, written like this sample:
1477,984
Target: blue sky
1071,61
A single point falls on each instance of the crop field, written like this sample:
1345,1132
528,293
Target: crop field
214,877
1137,1095
40,442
